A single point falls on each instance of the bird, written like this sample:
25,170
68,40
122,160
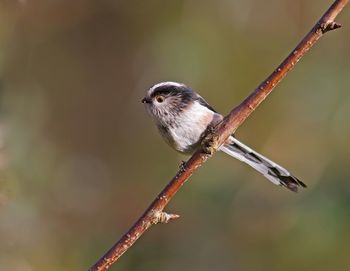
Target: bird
183,118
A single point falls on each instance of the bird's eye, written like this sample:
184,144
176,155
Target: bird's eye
160,99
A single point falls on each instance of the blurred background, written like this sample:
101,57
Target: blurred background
80,159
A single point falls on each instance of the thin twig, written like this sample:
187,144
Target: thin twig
154,214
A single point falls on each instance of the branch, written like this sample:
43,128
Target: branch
154,214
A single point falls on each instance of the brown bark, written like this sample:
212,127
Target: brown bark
154,213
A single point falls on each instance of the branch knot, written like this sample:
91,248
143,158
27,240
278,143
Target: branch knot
163,217
328,26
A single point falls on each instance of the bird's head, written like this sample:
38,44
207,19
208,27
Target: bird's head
168,98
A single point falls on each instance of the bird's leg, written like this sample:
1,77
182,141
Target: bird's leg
182,166
209,141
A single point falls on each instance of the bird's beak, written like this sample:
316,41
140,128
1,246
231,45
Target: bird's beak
146,100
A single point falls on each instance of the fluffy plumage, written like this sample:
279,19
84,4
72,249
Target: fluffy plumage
182,117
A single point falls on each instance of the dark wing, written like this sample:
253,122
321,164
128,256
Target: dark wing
204,103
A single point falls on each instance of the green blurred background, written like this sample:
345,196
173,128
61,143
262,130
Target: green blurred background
80,159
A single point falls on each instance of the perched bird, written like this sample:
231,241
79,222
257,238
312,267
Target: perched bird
183,118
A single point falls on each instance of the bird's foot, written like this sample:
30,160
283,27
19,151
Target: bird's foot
209,142
182,166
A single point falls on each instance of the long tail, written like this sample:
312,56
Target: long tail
273,172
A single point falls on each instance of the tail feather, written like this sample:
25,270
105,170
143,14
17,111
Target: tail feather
273,172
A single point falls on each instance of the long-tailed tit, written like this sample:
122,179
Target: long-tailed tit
183,118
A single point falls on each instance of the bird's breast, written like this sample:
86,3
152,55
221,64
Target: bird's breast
185,131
